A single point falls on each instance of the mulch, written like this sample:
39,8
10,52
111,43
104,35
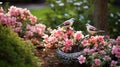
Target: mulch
48,58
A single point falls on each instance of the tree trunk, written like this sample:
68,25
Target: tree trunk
100,14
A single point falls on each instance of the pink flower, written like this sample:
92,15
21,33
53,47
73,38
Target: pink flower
86,50
17,29
66,48
118,39
68,43
92,51
100,38
102,52
85,43
113,63
19,24
81,59
107,58
28,34
103,43
65,37
52,39
1,10
78,35
33,19
49,45
93,39
45,38
116,51
97,62
57,33
70,32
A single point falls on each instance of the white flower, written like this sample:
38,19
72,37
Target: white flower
1,2
111,14
61,4
118,13
58,2
51,5
78,3
85,7
66,14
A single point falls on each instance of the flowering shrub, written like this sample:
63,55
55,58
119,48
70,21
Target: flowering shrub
60,37
100,51
97,50
23,23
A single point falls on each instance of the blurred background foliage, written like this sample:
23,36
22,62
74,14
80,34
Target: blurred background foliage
82,11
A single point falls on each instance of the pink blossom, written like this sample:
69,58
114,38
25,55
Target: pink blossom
116,51
49,45
28,34
28,27
81,59
96,45
85,43
103,43
12,10
70,32
52,39
68,43
113,63
86,50
33,19
65,37
45,38
40,26
57,33
26,12
78,35
102,52
66,48
97,62
17,29
19,24
118,39
1,10
93,39
112,41
100,38
107,58
91,50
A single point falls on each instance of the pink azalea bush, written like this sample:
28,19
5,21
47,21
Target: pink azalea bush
97,50
100,51
59,37
23,23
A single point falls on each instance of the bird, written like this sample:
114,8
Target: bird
92,30
67,23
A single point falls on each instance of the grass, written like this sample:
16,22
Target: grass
40,13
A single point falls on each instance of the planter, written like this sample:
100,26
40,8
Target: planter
70,59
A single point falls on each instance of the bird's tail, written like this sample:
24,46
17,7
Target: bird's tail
101,31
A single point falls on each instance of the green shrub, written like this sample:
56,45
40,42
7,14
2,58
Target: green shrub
14,51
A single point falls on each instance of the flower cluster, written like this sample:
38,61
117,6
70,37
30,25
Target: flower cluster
23,23
97,50
60,37
100,51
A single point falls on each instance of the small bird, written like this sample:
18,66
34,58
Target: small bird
92,30
67,23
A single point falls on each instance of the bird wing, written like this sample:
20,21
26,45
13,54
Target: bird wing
92,29
66,23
